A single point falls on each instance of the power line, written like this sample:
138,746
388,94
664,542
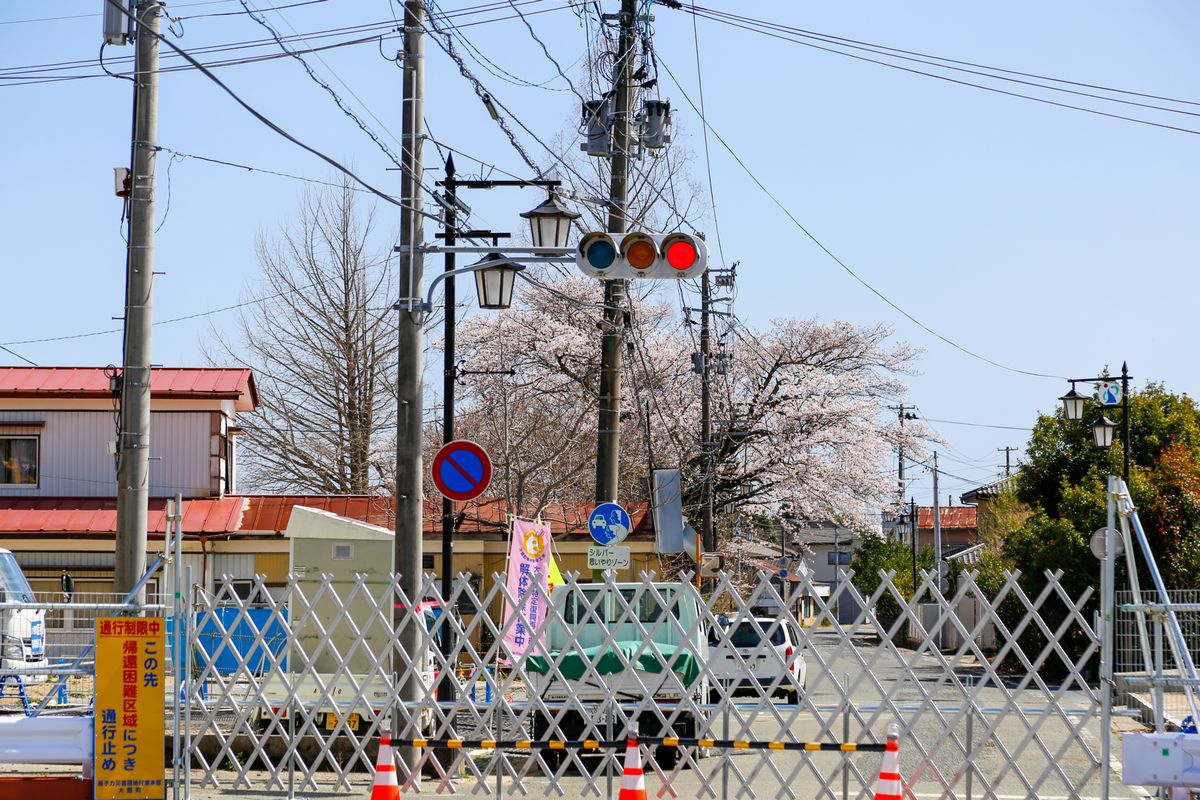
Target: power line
984,87
837,260
704,129
264,120
28,73
93,16
841,39
977,424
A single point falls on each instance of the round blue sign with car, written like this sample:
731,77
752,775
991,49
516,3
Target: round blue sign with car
609,524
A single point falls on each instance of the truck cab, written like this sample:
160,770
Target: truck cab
22,631
656,652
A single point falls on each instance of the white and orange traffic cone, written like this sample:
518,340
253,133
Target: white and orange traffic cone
633,779
385,786
888,786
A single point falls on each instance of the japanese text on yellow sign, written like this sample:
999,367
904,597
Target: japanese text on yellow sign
129,708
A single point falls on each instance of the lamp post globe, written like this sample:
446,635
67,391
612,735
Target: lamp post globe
1102,432
1073,404
494,283
550,223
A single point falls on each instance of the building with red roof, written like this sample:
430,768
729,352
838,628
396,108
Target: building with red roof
58,486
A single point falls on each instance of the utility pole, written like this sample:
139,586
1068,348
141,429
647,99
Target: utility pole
133,463
1007,459
706,441
937,525
913,522
446,689
900,485
409,401
902,413
608,439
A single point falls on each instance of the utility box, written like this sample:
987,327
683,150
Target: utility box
1161,759
322,543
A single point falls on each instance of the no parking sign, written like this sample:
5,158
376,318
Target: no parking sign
462,470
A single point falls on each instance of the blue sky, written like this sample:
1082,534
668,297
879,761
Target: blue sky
1046,239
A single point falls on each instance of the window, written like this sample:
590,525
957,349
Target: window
343,551
19,460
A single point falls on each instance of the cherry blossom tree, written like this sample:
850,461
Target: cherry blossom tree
806,432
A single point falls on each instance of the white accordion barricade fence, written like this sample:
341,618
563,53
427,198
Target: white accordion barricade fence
295,693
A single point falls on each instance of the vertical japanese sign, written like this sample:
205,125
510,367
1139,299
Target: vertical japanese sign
528,568
129,708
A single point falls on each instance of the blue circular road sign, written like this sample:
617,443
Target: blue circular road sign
609,524
462,470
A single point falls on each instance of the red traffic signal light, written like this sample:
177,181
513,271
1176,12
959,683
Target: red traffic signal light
641,255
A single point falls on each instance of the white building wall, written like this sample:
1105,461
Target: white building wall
73,457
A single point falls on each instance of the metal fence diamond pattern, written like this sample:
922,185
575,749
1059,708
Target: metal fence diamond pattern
295,692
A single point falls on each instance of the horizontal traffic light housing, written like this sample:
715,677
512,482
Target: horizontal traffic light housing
640,255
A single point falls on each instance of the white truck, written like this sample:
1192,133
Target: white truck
668,669
22,631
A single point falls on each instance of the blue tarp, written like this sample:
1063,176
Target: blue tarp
240,633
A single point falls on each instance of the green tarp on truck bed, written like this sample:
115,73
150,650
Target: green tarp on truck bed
654,658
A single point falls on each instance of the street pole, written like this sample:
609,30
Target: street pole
1007,459
608,440
937,525
133,463
608,434
446,688
409,400
912,511
1125,440
900,487
706,442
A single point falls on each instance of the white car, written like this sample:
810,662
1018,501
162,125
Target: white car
748,655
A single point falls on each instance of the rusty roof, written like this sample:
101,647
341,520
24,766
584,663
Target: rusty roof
958,517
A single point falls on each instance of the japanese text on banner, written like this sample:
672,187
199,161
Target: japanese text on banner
129,708
528,568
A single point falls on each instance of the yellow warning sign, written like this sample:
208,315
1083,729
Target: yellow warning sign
130,655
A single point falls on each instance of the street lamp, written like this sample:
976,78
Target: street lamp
495,275
550,223
1102,432
1103,428
494,278
1073,404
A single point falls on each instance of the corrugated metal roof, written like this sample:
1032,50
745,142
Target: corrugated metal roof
270,514
952,517
98,515
164,382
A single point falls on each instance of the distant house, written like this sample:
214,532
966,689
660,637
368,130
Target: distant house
998,511
58,487
830,548
958,524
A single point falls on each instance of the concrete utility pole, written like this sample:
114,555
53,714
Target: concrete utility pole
608,439
1008,451
409,400
133,462
706,441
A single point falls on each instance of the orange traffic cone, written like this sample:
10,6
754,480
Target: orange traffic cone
385,786
888,786
633,780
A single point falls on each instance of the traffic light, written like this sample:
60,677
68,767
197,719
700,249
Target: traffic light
656,256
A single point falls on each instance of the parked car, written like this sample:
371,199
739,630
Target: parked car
748,655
